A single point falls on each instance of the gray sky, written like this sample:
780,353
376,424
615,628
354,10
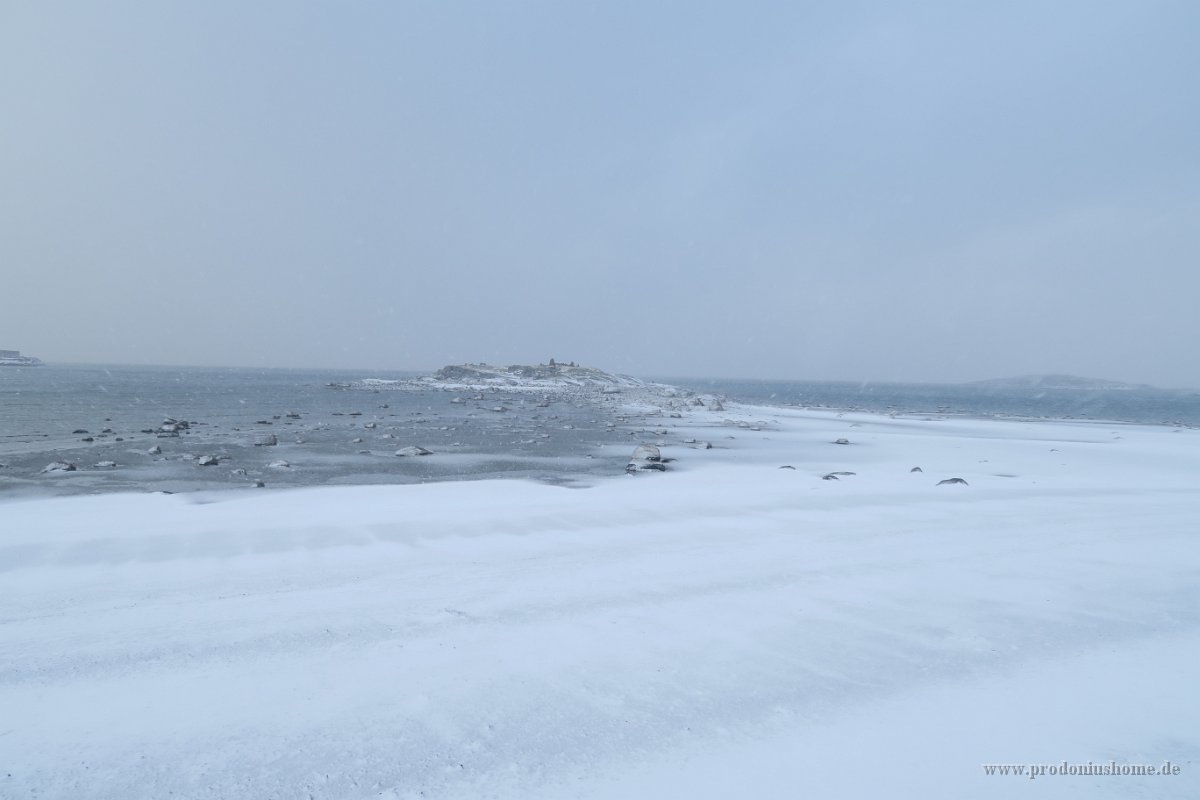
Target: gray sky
886,191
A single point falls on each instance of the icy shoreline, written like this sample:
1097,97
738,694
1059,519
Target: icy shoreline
725,627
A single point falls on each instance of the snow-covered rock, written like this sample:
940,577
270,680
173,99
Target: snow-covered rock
646,457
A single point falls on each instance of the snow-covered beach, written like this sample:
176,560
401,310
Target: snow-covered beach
727,628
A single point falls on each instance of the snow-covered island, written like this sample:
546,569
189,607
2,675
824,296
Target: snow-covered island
551,380
548,375
13,358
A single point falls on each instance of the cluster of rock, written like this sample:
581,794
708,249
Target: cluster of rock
169,428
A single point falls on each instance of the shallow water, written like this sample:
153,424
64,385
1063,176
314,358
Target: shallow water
336,436
341,436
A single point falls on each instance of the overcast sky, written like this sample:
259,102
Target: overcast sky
885,191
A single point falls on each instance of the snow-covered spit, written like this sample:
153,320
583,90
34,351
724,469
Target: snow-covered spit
728,628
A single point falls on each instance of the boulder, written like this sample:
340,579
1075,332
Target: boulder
207,461
413,450
154,451
646,452
646,458
265,440
952,481
59,466
280,464
105,464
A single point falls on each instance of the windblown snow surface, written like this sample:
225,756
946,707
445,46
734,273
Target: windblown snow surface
724,629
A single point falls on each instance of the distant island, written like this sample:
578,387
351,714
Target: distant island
13,358
1059,382
550,377
552,373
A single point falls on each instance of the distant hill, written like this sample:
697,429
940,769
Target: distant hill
1058,382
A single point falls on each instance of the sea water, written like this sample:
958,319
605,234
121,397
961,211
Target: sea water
984,400
331,435
325,433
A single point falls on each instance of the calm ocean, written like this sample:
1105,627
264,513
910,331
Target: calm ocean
1149,406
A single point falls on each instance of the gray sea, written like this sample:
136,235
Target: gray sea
1178,407
90,415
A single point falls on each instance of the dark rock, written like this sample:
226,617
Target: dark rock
830,477
78,431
